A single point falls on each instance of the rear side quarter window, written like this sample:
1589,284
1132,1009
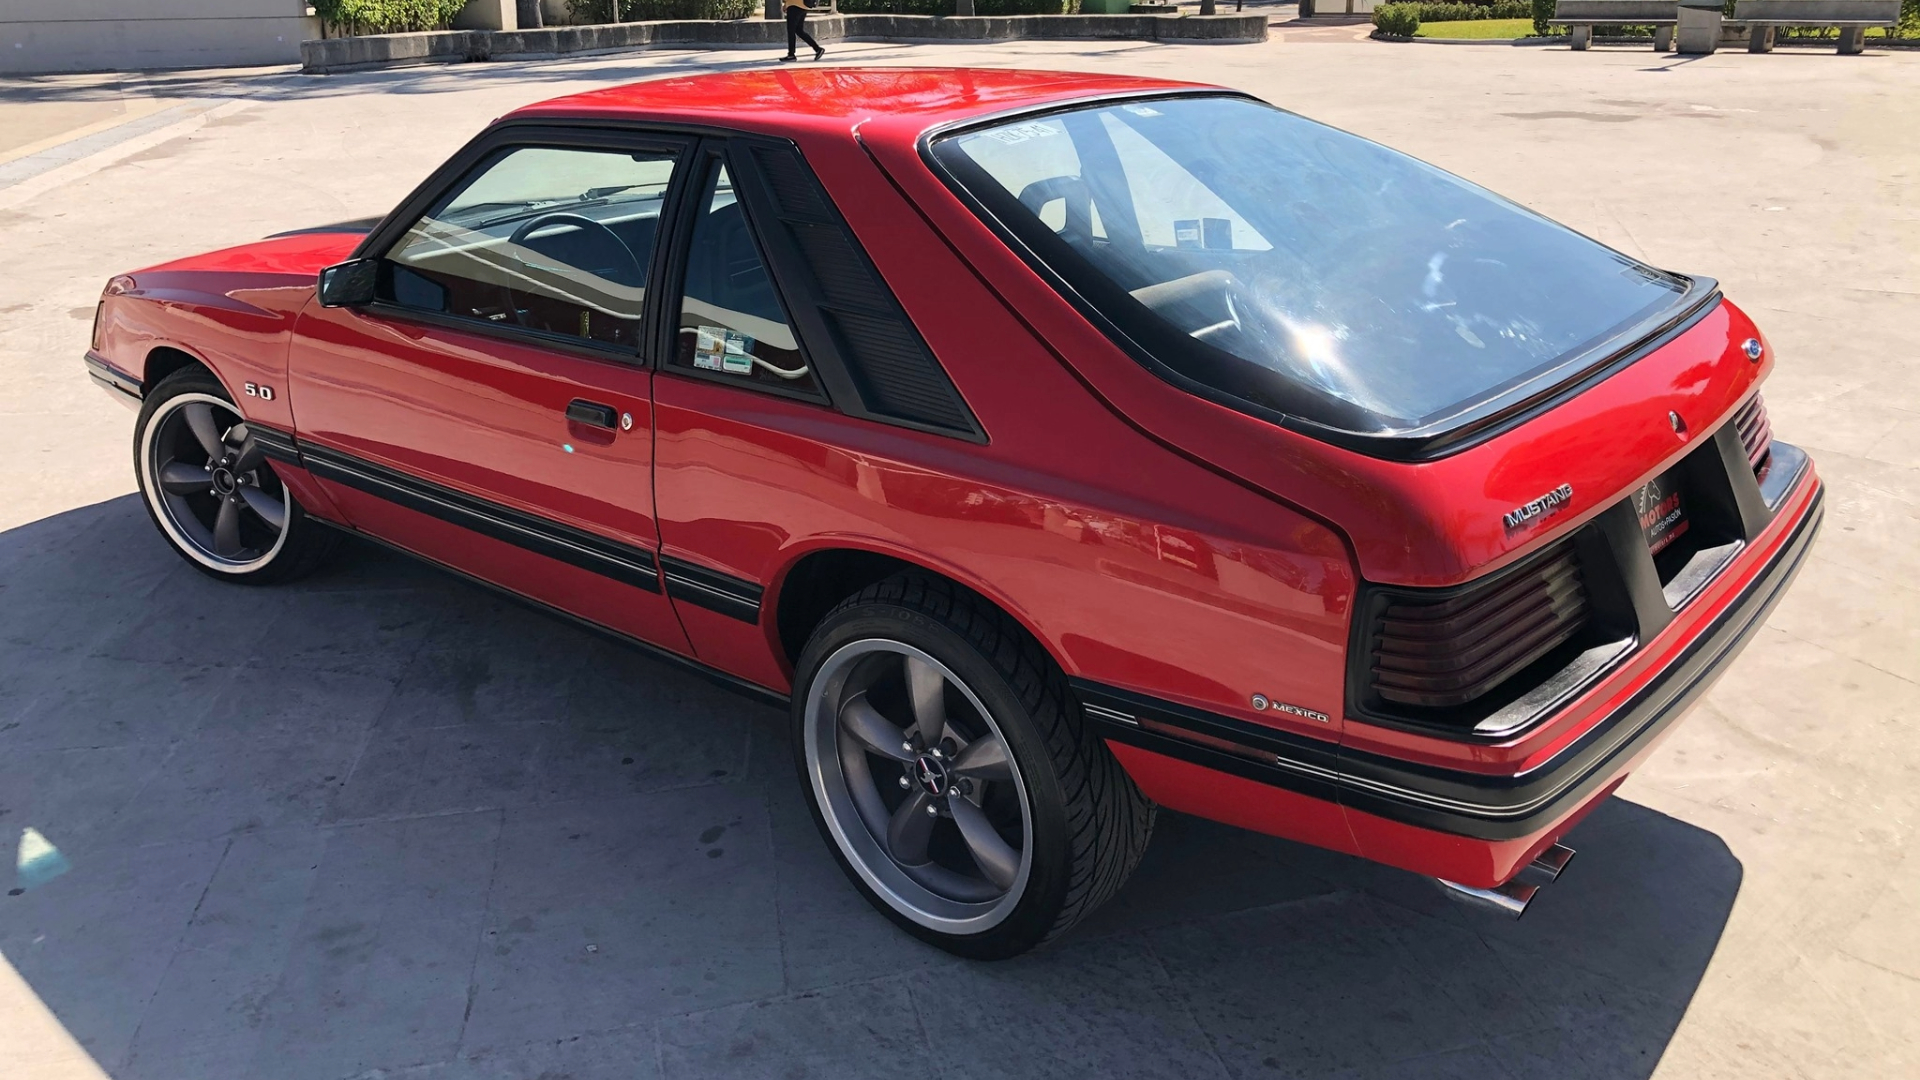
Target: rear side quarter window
731,322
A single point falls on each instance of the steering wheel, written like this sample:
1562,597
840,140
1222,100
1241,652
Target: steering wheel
580,221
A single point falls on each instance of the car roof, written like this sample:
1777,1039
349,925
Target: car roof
792,101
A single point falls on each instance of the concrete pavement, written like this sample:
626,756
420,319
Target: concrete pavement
382,825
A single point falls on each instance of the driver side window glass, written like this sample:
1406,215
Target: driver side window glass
549,239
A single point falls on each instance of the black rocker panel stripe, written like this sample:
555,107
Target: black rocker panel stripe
733,597
1447,800
621,562
276,444
1219,742
108,377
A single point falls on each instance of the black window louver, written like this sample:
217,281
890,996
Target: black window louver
1443,653
894,372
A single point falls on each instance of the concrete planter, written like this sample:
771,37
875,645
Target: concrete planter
327,55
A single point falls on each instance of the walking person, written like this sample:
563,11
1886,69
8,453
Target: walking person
797,29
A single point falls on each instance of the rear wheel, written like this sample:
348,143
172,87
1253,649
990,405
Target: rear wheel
948,769
212,493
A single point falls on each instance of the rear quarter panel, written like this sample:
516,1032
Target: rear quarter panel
1134,565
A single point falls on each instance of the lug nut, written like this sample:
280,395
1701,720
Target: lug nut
932,810
907,746
905,783
937,753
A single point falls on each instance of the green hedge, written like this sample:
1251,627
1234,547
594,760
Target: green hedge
602,11
947,7
1542,11
896,7
1025,7
1908,27
1464,12
387,16
1400,20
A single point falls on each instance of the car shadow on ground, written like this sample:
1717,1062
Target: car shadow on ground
383,823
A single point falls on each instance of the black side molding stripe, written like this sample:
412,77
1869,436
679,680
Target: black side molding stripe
108,377
1449,800
621,562
733,597
1270,756
277,444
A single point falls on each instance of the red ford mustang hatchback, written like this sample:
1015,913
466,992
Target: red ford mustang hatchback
1058,446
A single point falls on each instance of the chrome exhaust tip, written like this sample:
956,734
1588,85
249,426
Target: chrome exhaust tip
1546,867
1510,899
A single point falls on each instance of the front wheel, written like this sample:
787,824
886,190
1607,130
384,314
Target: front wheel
211,492
948,768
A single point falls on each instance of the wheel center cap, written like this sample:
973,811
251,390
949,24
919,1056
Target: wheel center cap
931,773
223,481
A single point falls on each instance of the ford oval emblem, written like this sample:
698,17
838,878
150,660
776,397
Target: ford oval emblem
1753,349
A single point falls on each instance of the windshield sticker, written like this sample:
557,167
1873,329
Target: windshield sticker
709,345
1141,110
1020,133
737,359
716,348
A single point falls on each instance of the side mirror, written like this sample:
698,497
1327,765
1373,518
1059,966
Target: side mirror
349,283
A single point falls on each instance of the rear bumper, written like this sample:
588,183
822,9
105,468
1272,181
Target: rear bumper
1472,827
1513,807
125,388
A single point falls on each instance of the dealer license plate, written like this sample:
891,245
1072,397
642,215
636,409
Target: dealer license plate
1662,508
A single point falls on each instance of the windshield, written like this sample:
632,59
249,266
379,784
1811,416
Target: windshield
539,179
1297,268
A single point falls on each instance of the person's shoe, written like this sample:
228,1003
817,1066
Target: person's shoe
788,59
818,52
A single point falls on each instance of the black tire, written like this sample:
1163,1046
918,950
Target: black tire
1089,822
265,556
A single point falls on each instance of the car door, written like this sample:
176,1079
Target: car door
777,347
491,409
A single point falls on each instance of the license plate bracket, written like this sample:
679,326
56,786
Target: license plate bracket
1661,506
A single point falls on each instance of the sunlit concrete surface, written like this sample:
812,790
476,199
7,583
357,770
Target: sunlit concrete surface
381,825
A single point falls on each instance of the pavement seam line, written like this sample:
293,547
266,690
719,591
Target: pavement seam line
480,939
179,946
1175,991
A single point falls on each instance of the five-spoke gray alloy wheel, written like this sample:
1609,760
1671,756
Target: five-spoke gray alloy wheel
916,784
207,481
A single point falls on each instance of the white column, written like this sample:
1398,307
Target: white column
488,15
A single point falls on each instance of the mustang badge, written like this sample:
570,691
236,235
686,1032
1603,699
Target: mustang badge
1540,507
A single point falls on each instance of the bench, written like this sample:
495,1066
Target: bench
1851,16
1584,15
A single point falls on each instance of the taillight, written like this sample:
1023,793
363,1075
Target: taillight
1450,656
94,341
1440,653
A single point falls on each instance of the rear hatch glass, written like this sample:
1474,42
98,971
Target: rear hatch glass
1295,271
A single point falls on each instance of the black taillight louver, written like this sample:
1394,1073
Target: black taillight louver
1441,653
1756,434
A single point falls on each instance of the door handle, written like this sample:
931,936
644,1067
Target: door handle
593,413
